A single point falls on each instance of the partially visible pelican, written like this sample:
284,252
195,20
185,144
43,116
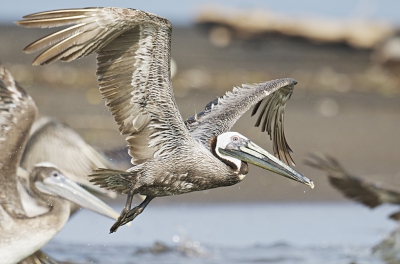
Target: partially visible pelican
368,193
53,141
20,234
169,156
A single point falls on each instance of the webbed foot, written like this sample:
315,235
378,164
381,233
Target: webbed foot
120,221
128,215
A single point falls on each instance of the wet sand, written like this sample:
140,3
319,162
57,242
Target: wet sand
335,108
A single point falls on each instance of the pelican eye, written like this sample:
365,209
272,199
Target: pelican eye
55,174
235,138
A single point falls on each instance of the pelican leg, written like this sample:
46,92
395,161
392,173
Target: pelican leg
124,211
137,210
126,217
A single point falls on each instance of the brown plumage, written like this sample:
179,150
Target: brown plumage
21,234
133,67
53,141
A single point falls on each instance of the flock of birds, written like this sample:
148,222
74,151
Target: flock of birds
44,164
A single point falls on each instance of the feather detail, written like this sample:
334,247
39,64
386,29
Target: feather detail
133,70
115,180
17,114
222,113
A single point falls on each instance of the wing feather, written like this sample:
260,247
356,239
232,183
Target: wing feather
133,69
17,114
54,38
220,115
52,22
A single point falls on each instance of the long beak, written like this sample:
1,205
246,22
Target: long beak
89,186
71,191
256,155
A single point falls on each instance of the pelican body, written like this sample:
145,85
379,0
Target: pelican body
169,156
21,234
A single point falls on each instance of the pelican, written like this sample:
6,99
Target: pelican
53,141
169,156
56,142
20,234
368,193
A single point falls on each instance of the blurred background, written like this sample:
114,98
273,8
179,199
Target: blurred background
345,55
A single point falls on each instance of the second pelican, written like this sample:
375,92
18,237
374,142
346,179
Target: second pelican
21,234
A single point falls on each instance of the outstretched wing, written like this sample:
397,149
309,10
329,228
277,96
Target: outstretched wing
221,114
369,193
133,69
55,142
17,114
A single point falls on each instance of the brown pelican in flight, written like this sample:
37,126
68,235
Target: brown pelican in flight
169,156
368,193
20,234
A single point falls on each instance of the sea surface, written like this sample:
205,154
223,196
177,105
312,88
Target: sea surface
229,233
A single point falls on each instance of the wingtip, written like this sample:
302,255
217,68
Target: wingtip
37,63
27,49
311,184
25,23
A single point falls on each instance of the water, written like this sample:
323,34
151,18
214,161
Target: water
274,253
233,233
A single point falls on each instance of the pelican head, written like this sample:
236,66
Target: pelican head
49,183
236,151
